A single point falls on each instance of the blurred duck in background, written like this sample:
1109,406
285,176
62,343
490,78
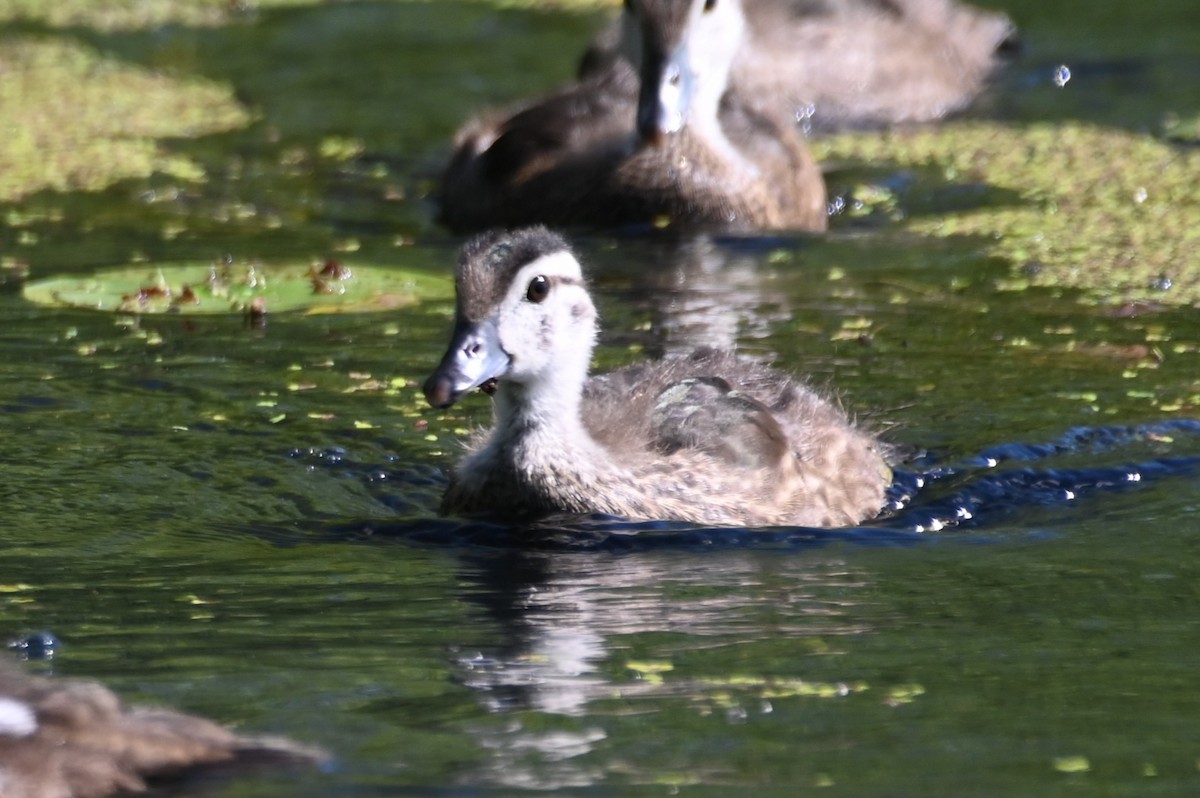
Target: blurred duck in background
69,738
687,113
832,64
649,137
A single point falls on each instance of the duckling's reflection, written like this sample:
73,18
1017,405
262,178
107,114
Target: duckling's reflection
552,632
570,623
701,292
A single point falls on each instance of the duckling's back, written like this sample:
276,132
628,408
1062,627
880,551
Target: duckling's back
761,447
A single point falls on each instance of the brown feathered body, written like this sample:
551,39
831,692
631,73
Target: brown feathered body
69,738
711,438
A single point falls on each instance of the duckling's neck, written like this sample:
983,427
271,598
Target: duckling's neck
542,419
543,408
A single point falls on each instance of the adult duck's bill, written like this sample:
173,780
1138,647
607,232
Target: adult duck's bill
667,86
475,358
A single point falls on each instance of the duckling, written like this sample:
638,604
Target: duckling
708,438
851,63
645,140
68,738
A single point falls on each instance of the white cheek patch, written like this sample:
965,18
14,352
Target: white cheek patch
16,719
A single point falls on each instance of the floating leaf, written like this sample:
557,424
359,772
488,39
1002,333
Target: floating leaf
195,288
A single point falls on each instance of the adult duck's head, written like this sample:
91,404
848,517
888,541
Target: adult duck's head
683,51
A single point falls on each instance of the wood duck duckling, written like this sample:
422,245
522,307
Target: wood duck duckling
851,63
646,140
69,738
709,438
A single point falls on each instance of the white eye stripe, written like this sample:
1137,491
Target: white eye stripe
560,264
557,268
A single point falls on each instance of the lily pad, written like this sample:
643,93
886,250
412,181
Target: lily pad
254,288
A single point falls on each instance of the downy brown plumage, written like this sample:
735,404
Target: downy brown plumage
72,738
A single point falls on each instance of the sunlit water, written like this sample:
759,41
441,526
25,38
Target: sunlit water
242,522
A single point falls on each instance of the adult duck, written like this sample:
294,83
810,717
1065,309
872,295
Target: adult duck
850,63
649,139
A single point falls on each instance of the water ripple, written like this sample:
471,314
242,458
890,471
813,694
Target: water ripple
967,496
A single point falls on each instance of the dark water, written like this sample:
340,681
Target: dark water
241,522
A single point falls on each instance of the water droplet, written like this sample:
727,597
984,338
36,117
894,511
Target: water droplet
804,118
1062,74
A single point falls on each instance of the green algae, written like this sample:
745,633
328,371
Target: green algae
1113,213
78,120
119,14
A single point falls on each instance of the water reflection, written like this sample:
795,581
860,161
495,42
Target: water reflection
589,636
698,291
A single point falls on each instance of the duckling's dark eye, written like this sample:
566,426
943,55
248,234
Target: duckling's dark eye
539,289
709,5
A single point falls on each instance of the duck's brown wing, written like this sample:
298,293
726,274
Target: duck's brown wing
574,120
540,161
683,404
705,414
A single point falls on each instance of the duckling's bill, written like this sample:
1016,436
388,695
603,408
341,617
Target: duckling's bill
475,359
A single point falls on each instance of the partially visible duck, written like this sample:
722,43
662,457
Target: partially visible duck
69,738
709,438
852,63
646,140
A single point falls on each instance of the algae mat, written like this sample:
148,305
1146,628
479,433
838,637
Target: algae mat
78,120
1114,213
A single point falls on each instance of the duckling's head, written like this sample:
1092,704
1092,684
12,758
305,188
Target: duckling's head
683,50
523,318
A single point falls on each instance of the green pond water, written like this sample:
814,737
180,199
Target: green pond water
240,520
